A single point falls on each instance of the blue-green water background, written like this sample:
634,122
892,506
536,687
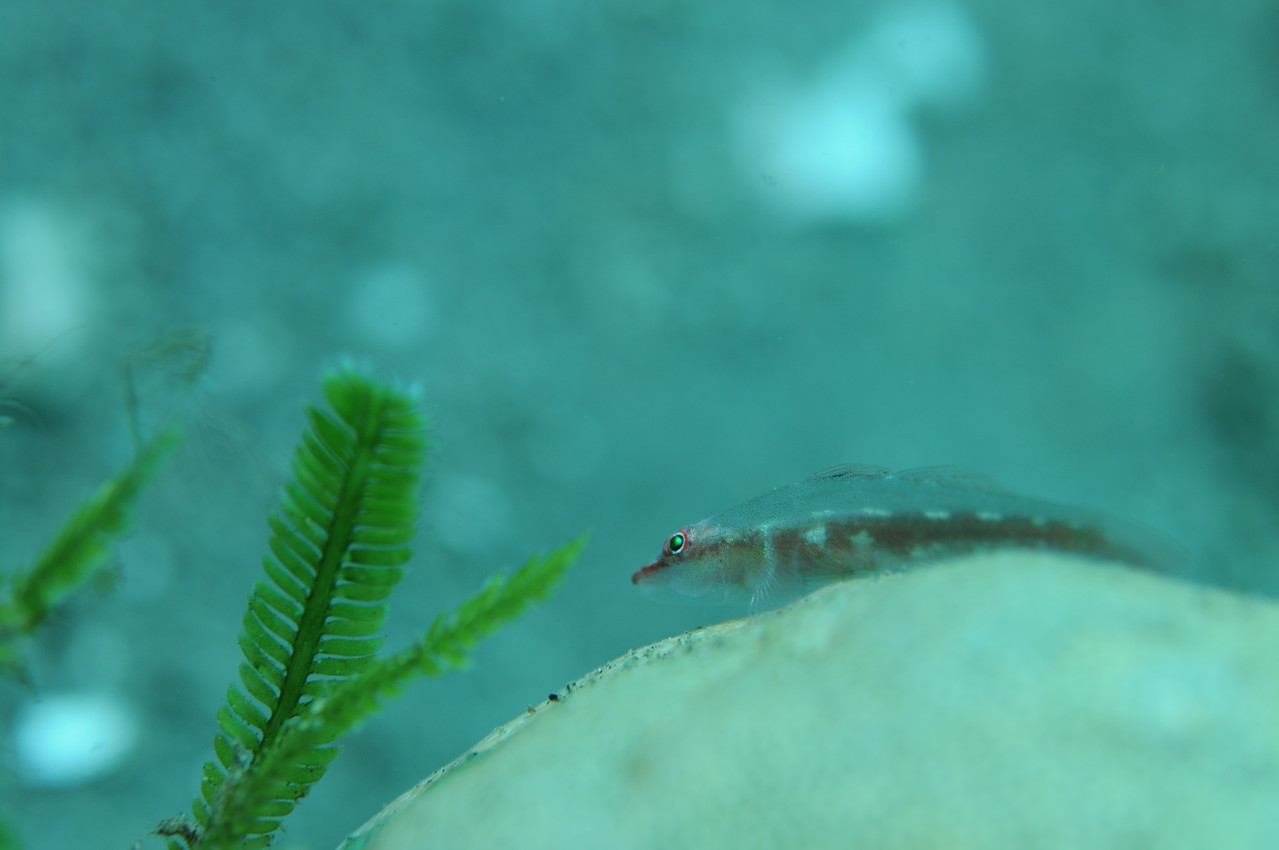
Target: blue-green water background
539,212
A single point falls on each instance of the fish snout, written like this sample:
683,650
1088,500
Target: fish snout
646,573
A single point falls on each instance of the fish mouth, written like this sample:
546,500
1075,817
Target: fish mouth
645,572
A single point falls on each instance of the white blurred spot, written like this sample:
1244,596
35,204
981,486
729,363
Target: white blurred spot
390,305
834,154
70,739
842,146
44,280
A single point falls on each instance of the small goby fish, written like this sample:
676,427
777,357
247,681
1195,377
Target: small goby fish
855,520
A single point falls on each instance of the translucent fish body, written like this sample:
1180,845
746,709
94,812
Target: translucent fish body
860,519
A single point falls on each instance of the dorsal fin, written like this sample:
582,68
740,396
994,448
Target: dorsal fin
954,477
850,470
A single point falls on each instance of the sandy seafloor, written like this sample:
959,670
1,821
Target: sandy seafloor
645,262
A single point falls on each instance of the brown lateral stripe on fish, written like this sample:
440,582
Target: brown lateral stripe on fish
861,519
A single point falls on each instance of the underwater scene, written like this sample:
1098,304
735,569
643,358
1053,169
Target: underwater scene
376,378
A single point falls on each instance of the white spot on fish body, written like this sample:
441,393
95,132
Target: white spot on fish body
876,512
937,514
989,516
861,540
816,535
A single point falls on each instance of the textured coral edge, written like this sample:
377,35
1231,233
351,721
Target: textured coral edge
634,658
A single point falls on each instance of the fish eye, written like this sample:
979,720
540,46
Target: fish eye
677,543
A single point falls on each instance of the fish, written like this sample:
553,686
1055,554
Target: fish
860,520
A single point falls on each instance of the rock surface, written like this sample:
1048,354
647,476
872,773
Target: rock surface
1005,701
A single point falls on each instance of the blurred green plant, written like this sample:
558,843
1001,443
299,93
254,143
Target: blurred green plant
8,839
310,673
77,553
